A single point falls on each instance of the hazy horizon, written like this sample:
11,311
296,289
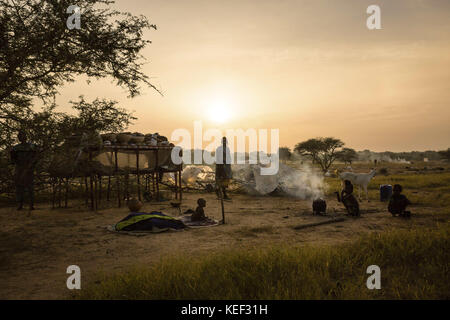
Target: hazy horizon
308,68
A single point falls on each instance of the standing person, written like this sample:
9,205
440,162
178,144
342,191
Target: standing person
23,155
223,168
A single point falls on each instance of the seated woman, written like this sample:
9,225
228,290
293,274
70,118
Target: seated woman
398,203
348,199
143,221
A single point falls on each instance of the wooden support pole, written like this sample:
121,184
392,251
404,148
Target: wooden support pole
153,183
119,196
157,175
81,186
138,176
108,191
54,193
91,182
117,178
86,193
127,185
221,204
181,185
100,189
59,192
176,184
94,176
66,193
180,170
91,191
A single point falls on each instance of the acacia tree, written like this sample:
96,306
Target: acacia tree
285,153
48,128
323,151
347,155
38,53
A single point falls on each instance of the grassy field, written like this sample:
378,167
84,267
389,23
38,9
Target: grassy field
414,265
258,254
414,262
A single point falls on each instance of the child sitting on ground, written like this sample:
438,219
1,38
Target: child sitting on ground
348,199
398,203
199,214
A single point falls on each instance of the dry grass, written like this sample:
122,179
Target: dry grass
414,265
257,249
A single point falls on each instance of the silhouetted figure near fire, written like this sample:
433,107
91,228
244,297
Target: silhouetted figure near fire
23,155
348,199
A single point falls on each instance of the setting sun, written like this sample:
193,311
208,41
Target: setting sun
220,108
219,112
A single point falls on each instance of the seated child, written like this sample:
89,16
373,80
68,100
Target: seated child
398,203
348,199
199,214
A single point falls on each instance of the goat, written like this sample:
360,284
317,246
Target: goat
359,179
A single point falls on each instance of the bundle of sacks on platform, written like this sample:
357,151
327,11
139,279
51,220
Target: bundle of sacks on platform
134,139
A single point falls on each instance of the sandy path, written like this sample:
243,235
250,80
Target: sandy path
36,249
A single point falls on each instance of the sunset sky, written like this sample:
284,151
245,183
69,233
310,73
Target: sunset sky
309,68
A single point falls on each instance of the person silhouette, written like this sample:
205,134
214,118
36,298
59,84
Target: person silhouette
398,203
23,156
348,199
223,169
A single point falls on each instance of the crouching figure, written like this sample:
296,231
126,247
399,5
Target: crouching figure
348,199
398,203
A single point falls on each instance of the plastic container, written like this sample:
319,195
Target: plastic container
385,192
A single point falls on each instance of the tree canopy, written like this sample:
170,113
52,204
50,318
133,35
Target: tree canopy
38,52
285,153
323,151
49,128
347,155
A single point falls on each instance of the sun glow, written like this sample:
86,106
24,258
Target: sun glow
220,109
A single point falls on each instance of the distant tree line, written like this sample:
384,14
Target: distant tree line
408,156
325,151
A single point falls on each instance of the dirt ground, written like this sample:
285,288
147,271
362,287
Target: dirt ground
36,248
